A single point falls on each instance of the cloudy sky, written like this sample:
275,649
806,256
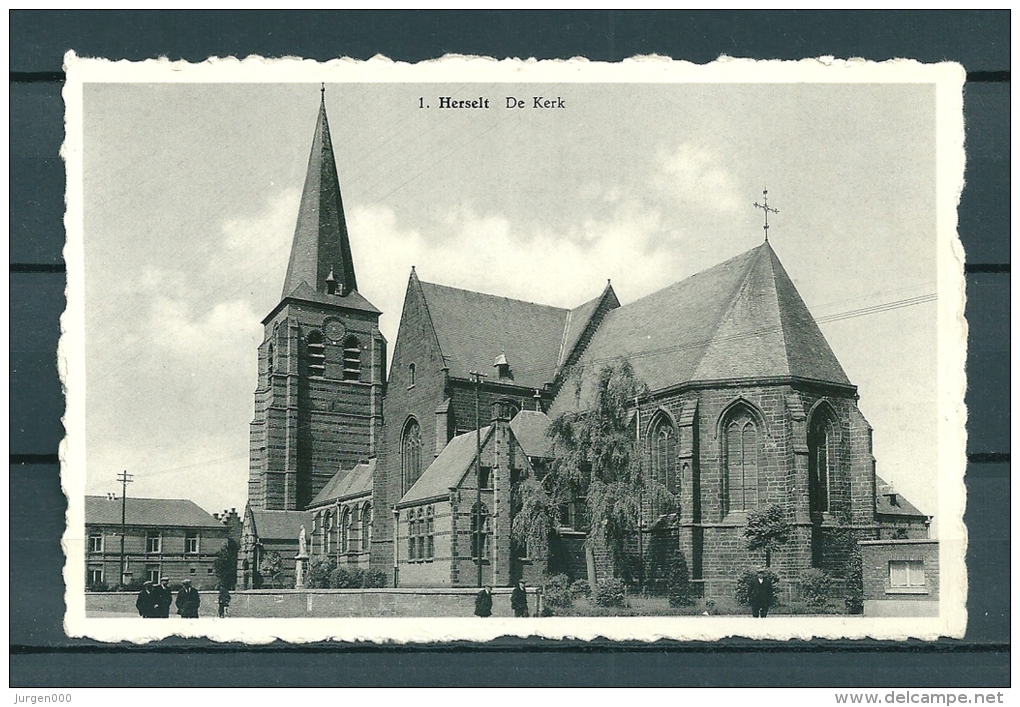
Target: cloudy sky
191,193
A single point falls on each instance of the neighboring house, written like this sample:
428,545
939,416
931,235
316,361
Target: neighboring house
163,537
901,577
897,517
747,406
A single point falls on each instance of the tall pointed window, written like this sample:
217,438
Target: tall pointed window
664,453
741,457
270,360
316,354
366,528
355,533
479,532
820,457
352,359
410,453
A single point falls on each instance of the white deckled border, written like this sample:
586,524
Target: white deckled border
948,78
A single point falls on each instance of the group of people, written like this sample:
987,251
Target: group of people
518,601
154,600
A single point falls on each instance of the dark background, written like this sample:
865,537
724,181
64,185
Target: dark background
41,655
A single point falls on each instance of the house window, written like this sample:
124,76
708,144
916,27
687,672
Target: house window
153,542
904,574
820,448
366,527
316,354
95,542
741,456
479,532
191,543
95,576
410,375
664,456
352,359
411,453
430,533
152,573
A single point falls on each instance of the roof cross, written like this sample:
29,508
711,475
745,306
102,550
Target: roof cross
764,206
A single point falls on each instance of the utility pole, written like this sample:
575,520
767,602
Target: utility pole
124,478
479,531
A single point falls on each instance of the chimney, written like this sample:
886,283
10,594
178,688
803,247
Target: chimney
890,493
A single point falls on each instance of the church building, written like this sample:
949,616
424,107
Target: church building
410,473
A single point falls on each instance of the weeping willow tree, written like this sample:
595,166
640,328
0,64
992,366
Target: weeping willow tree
597,460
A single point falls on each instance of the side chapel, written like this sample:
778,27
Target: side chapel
747,405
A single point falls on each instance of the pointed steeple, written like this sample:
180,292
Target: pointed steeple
321,246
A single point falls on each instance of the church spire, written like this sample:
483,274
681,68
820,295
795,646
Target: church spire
321,246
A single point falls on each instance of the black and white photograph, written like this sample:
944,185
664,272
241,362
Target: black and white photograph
473,348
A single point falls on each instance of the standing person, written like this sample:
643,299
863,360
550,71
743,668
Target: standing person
164,597
761,594
224,600
146,601
483,602
519,600
188,601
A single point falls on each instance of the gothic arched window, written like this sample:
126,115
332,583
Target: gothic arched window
430,533
356,529
352,359
316,354
664,453
270,359
741,458
366,528
410,375
345,531
479,531
410,453
820,457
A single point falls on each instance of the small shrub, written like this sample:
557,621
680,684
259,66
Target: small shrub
319,571
580,588
556,592
678,582
853,588
376,579
611,592
347,578
816,586
97,587
743,591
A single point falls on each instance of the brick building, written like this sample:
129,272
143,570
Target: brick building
163,537
901,577
747,406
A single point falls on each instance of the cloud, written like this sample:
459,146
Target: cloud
697,176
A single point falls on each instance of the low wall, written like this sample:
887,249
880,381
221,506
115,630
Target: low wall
300,603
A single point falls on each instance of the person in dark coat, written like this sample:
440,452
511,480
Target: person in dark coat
761,594
188,601
223,600
483,602
146,602
519,600
164,598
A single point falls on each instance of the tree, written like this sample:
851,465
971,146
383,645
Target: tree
597,460
271,565
767,530
225,564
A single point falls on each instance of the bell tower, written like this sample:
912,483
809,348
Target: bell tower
318,402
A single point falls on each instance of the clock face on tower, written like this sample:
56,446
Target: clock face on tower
334,330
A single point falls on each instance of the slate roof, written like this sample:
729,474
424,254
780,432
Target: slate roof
578,319
903,507
321,245
530,428
346,484
740,319
447,470
149,512
352,300
280,525
474,328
